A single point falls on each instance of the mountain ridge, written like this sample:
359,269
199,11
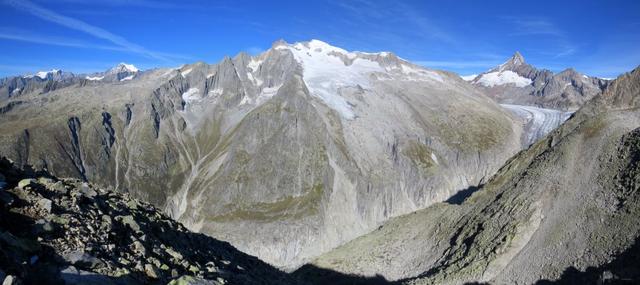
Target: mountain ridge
517,82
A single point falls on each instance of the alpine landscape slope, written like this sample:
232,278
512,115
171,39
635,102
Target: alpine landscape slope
564,210
286,155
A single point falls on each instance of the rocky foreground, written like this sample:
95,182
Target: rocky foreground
65,231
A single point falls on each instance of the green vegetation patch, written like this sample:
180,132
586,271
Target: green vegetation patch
290,207
420,155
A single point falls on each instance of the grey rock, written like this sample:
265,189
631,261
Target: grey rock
83,260
11,280
73,276
45,204
130,222
191,280
26,183
151,271
176,255
44,226
87,191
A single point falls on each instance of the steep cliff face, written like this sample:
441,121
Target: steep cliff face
567,207
286,155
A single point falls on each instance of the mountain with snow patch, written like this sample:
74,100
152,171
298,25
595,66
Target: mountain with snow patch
274,153
120,72
517,82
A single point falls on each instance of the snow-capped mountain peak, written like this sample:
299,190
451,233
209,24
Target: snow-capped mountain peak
123,67
516,60
327,69
44,74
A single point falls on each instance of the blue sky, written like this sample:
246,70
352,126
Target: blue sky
599,38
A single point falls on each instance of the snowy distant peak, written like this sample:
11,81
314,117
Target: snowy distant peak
515,72
318,46
123,67
328,69
44,75
514,62
517,59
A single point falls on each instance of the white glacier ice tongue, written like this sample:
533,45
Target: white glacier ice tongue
324,72
538,122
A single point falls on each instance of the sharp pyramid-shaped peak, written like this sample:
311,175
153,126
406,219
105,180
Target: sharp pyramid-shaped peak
514,62
516,59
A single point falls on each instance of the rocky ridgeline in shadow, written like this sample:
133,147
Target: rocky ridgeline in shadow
65,231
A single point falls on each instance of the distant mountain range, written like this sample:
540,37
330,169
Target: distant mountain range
300,154
516,82
46,81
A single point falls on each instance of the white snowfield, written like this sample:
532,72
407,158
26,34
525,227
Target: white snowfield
502,78
127,78
94,78
129,67
325,74
469,77
538,122
42,74
191,95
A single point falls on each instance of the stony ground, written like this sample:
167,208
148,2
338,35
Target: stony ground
65,231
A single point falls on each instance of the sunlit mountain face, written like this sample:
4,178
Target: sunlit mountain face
146,142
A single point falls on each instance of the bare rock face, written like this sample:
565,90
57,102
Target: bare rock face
516,82
564,210
286,155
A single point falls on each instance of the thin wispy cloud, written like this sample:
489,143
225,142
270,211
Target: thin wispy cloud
25,36
458,64
540,26
81,26
533,26
123,3
377,14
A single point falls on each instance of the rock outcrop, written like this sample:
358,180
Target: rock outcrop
66,231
